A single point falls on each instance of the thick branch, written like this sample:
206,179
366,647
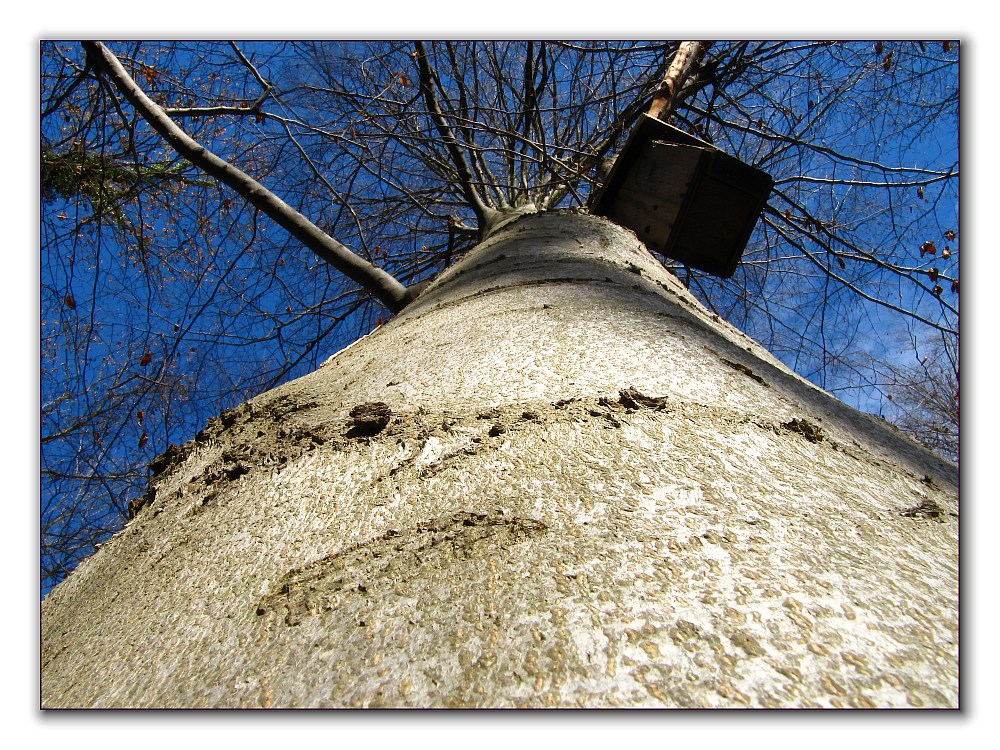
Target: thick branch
685,62
387,289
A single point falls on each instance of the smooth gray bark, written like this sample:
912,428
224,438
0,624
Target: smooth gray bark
553,480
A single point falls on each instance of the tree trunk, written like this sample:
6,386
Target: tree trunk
554,480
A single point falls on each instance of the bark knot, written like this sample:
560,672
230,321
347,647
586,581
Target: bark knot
807,429
369,419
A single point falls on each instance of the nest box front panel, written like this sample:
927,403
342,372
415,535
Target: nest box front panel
683,197
652,193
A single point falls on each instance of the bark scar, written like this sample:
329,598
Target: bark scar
335,580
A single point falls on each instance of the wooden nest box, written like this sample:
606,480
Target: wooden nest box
683,197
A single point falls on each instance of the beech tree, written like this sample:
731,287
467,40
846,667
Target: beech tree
551,407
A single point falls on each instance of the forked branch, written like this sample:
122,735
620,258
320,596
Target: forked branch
485,214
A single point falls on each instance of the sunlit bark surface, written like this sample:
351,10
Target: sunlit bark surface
554,480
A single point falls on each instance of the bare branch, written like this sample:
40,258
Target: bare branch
386,288
251,67
484,213
685,63
856,289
